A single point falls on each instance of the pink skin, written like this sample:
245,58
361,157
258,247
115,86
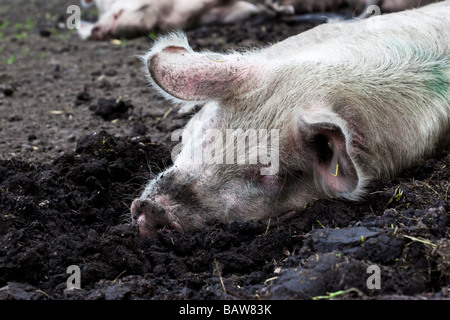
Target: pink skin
270,182
149,227
103,31
197,70
338,172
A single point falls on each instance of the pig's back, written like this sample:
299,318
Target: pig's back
338,41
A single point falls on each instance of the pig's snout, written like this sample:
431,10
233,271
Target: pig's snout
98,33
150,217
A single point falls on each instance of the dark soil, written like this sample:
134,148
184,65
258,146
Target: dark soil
80,135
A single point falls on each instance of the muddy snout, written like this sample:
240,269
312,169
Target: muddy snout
151,216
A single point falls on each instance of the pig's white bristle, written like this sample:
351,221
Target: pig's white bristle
177,38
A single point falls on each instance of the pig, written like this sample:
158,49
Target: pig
132,18
119,18
397,5
351,102
304,6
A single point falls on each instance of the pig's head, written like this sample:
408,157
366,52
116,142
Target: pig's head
123,19
300,148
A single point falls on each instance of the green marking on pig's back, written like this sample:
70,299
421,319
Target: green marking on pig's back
439,83
438,67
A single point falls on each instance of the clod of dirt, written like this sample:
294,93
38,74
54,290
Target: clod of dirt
319,274
442,252
6,89
20,291
110,109
44,33
326,240
82,98
139,129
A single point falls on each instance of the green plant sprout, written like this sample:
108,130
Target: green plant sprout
11,59
339,293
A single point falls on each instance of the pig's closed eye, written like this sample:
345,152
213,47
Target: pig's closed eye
267,182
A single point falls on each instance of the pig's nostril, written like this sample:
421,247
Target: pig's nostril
150,217
160,227
141,219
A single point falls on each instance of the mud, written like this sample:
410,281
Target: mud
81,133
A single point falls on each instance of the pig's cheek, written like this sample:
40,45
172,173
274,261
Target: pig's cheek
230,199
270,182
164,201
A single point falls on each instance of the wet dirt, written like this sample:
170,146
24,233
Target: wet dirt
81,133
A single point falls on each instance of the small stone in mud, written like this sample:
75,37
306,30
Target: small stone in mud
15,118
139,129
6,89
44,33
82,98
27,147
110,109
110,72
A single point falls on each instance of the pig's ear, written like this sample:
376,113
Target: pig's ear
190,76
333,165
